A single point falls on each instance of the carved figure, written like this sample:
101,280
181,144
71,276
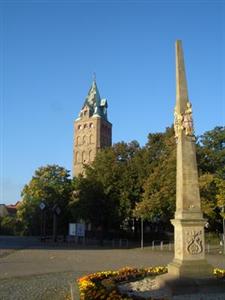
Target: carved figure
188,120
178,119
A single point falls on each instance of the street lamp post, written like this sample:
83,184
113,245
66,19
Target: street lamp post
223,211
56,212
142,233
42,206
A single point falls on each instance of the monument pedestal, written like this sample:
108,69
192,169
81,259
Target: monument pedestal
187,286
189,272
200,269
189,257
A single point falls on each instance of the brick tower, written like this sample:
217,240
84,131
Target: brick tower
92,130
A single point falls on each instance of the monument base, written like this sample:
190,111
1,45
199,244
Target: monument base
190,269
186,278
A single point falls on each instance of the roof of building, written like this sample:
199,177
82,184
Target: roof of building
10,209
93,98
97,106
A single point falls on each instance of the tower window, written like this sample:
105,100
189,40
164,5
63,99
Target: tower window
84,139
77,157
79,127
85,125
78,140
91,125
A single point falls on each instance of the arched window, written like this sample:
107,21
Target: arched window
77,157
91,139
85,126
91,125
78,140
84,139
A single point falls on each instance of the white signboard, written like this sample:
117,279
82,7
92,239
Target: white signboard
80,229
77,229
72,229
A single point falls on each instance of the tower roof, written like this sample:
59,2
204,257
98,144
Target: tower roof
97,106
93,98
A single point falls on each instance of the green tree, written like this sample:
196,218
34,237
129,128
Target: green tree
211,152
160,185
51,185
115,169
9,225
211,163
115,175
130,180
208,192
90,203
220,197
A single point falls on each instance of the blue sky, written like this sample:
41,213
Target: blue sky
50,49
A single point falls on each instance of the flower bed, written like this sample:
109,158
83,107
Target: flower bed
103,285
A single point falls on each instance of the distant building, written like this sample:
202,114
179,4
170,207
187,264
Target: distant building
92,130
9,210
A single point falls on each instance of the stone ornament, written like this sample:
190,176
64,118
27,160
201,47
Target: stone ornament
194,242
184,121
178,123
188,120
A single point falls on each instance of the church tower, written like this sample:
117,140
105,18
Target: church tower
92,130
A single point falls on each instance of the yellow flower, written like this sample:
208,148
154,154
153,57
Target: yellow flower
101,285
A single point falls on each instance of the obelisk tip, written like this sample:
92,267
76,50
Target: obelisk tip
181,83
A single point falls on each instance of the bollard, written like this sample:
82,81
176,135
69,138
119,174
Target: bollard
72,291
153,245
161,245
208,248
170,247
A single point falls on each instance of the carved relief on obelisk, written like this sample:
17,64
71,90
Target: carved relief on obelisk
184,121
194,242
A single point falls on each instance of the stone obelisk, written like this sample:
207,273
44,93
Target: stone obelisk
189,265
189,272
189,258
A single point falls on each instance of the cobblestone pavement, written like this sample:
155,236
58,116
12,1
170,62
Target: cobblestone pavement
44,287
45,273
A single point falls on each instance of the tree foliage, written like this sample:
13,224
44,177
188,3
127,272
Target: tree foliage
158,198
51,185
211,152
10,225
211,163
111,186
141,181
127,181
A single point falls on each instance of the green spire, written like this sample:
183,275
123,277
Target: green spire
97,106
93,98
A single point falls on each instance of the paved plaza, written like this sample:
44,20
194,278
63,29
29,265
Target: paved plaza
28,270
